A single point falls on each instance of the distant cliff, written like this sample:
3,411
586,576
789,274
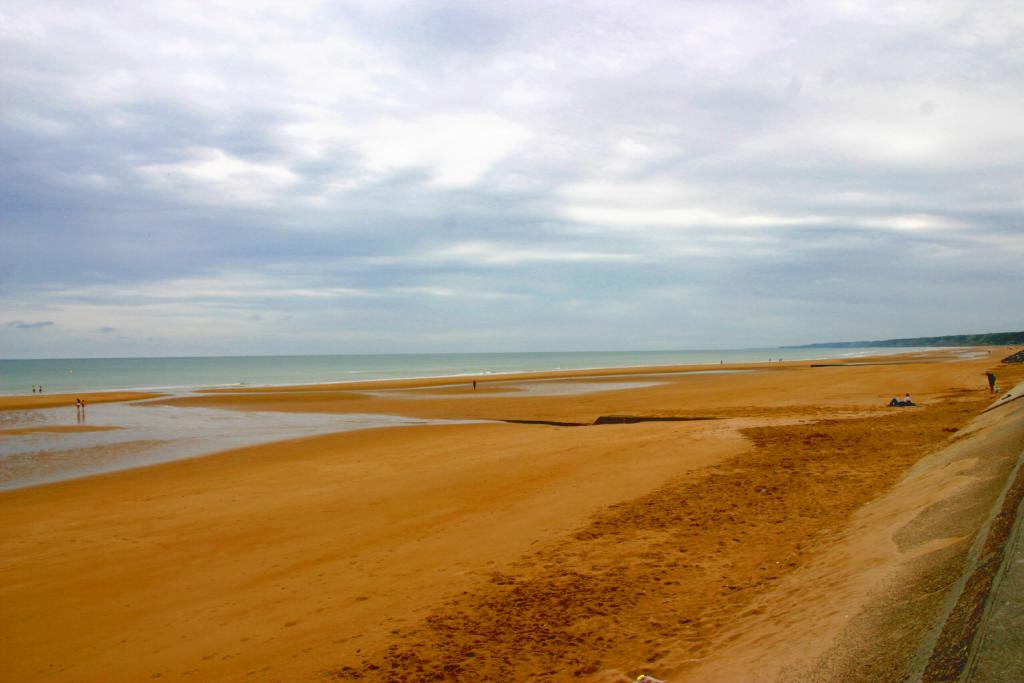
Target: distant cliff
987,339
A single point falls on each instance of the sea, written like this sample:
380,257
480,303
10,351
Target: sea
181,375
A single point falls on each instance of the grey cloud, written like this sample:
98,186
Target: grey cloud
804,111
19,325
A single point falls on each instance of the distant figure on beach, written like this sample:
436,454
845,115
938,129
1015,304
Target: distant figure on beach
33,388
905,403
79,409
991,382
474,385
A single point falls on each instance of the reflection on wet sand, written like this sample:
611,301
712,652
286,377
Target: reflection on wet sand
581,384
52,444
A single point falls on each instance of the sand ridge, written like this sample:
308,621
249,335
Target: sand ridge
34,401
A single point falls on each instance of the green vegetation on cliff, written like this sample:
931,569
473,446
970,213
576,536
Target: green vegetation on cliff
986,339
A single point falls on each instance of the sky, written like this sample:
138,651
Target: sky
376,176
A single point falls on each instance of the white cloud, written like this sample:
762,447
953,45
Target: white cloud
909,222
456,149
480,253
226,287
909,126
660,204
214,176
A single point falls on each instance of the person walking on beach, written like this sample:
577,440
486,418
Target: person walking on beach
991,382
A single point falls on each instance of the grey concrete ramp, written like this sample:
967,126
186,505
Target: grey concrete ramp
981,637
998,653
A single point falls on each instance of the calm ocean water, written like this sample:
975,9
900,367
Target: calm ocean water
181,374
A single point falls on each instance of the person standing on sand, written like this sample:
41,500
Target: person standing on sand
991,382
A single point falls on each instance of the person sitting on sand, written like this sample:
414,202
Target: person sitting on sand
907,401
894,403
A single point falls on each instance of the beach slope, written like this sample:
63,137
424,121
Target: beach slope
695,549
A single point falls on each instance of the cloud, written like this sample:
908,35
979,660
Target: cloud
458,149
214,176
374,175
19,325
483,254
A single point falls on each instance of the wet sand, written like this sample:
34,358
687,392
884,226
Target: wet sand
56,429
691,550
53,400
55,444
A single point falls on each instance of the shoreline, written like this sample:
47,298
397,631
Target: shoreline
496,398
228,386
582,553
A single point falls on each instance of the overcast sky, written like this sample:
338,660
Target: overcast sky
182,178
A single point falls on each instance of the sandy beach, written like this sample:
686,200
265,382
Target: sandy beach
769,522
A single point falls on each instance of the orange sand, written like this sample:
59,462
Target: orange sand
486,551
51,400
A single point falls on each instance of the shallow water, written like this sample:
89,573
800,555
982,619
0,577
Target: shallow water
151,434
547,387
514,389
